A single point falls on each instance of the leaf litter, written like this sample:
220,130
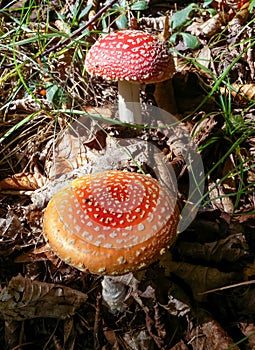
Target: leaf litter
47,304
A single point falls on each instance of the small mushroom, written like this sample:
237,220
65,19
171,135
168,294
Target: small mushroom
111,223
131,57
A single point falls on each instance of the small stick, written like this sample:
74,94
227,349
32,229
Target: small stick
98,321
79,31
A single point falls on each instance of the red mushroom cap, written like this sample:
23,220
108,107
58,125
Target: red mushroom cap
111,222
130,55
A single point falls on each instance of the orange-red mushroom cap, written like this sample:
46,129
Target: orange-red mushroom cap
111,222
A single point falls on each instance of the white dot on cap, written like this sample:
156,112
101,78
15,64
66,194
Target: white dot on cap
141,227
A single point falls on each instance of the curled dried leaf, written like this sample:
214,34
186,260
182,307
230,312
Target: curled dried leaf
248,331
218,197
24,181
37,254
25,299
240,92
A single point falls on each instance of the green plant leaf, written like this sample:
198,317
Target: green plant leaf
139,6
211,12
122,3
121,21
207,3
74,9
85,11
173,38
190,40
180,18
51,91
104,23
251,6
55,94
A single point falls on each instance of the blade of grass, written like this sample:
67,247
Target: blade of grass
17,126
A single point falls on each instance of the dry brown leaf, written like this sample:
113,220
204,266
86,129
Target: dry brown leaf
68,153
210,335
190,89
94,8
244,303
38,254
234,4
96,138
212,25
230,249
12,233
240,92
78,144
112,339
165,34
180,346
139,339
25,299
28,104
164,96
204,56
176,306
103,112
155,23
202,278
12,333
205,129
218,198
248,330
24,181
69,334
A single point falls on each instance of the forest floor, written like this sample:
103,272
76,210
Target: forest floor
200,294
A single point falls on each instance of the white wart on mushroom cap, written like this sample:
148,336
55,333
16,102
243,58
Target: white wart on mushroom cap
131,57
111,222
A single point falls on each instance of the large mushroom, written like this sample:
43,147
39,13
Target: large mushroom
131,57
111,223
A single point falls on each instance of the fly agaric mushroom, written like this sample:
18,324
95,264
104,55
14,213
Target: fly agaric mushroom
111,223
131,57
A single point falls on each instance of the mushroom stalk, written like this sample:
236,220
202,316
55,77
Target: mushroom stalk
116,289
129,102
114,294
132,57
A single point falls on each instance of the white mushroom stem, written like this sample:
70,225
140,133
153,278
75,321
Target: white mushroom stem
115,291
129,102
114,294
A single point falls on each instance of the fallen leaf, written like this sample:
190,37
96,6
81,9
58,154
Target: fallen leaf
210,335
24,181
202,278
37,254
24,299
240,92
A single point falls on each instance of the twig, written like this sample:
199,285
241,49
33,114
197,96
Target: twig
79,31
